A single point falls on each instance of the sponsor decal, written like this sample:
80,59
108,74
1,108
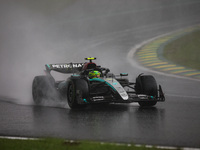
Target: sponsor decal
98,98
143,96
115,85
109,79
124,94
120,89
66,66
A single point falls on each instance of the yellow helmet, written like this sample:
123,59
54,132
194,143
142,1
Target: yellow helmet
94,74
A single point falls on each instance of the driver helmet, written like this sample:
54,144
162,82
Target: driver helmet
94,74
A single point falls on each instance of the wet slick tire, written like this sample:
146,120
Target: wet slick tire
76,91
146,84
42,87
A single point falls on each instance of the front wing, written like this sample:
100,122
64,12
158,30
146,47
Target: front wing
133,97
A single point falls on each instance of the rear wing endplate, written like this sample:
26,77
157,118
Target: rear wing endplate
64,67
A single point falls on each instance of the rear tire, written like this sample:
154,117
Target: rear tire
42,87
146,84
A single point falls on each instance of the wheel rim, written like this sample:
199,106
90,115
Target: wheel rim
70,94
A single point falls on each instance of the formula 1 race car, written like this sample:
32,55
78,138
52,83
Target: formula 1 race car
90,84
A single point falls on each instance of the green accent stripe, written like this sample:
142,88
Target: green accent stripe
48,66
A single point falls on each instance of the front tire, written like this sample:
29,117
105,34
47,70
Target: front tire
77,91
146,84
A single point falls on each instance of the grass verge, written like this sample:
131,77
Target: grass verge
185,51
60,144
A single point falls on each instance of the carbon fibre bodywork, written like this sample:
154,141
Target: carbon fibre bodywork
80,90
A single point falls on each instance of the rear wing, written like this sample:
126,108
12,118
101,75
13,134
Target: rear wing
65,67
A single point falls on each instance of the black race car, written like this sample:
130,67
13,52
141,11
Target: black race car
79,89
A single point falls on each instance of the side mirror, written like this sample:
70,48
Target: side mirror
107,70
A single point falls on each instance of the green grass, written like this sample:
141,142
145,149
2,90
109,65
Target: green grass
185,51
60,144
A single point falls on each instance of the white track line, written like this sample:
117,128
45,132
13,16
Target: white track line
118,144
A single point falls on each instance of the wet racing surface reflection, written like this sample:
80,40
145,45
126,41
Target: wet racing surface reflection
127,123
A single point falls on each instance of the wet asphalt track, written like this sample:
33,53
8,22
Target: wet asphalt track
109,30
